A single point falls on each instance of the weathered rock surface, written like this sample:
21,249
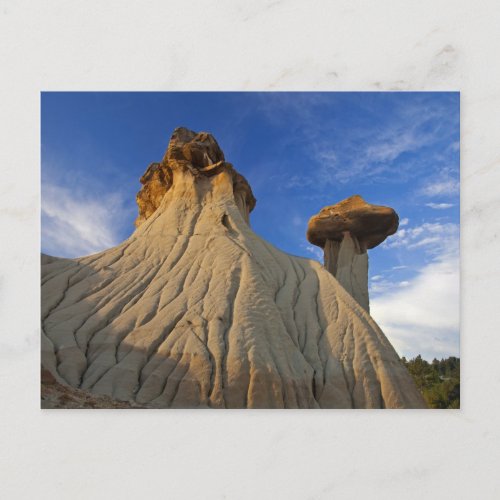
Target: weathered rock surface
370,224
195,310
55,395
198,153
345,231
352,270
156,182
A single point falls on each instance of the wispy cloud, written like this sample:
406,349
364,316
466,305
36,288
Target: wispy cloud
441,187
395,144
387,151
315,251
436,237
439,206
75,223
295,109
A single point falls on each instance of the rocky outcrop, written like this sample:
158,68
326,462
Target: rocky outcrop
194,310
55,395
156,182
197,153
369,224
345,231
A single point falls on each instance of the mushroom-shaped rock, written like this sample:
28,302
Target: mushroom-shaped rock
198,155
369,224
345,231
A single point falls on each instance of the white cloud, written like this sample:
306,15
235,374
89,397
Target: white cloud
404,221
439,206
442,187
327,155
74,224
434,236
316,251
397,143
422,317
383,285
296,181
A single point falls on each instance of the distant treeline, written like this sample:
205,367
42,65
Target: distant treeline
439,381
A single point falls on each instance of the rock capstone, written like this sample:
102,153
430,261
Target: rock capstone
199,154
346,231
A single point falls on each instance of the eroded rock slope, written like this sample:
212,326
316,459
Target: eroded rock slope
195,310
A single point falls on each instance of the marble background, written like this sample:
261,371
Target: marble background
242,45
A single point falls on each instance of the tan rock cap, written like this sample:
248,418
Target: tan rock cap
370,224
199,149
197,153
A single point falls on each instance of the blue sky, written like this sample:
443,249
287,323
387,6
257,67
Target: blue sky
300,151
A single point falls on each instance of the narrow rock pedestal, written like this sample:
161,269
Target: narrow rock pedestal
345,231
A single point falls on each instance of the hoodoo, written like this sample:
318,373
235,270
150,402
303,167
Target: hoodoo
346,231
195,310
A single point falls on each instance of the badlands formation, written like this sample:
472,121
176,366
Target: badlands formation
346,231
195,310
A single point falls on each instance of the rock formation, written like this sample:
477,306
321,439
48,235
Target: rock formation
201,155
345,231
194,310
55,395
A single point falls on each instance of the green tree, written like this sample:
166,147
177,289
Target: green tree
438,381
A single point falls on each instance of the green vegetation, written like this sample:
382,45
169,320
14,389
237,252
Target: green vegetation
439,381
